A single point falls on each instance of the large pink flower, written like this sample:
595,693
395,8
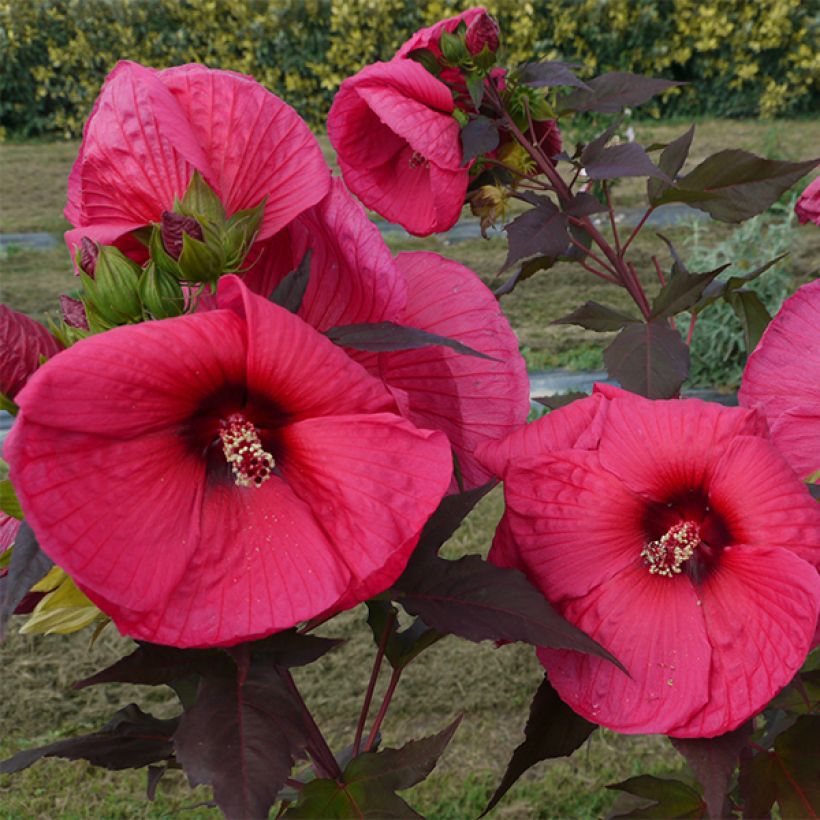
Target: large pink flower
23,343
150,130
807,206
674,534
220,476
399,146
354,278
782,379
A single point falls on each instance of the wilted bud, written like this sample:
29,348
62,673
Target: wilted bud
73,312
161,293
172,228
88,256
489,203
482,33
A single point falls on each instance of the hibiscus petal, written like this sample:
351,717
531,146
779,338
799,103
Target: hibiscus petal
262,565
655,628
472,400
430,37
372,482
291,362
23,342
558,430
139,151
137,379
666,448
760,607
796,433
258,146
575,524
762,500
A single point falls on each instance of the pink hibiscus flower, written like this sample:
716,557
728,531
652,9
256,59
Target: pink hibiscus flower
354,278
23,342
782,379
217,477
674,534
398,145
150,130
807,206
430,37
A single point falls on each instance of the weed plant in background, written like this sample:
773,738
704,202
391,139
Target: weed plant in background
718,347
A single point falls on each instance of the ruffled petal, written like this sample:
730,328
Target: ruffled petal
665,448
796,434
372,481
257,145
296,368
762,501
472,400
760,607
23,342
558,430
655,628
139,151
575,524
430,37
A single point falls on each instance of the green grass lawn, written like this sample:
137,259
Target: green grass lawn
491,686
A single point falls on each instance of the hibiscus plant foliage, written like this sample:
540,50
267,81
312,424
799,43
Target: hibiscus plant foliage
251,416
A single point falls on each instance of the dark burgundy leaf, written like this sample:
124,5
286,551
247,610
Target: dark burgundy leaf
584,204
479,136
626,160
152,665
552,730
720,288
291,290
649,359
682,291
787,774
371,780
670,162
475,88
242,736
734,185
802,695
594,316
554,402
662,798
28,565
155,774
290,648
479,601
752,313
384,336
130,740
615,91
528,268
541,231
592,150
402,646
713,760
550,73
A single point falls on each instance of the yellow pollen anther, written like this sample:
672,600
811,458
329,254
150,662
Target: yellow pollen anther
251,464
672,550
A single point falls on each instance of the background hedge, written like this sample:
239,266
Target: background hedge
743,58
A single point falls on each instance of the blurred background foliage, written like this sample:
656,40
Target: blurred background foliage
743,59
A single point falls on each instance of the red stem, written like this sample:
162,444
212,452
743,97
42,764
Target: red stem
388,696
691,328
371,686
612,220
583,248
658,270
637,229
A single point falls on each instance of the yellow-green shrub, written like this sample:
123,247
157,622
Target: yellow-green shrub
741,58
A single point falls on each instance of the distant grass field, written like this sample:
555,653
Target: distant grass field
491,686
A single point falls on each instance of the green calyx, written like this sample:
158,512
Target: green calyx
112,298
160,293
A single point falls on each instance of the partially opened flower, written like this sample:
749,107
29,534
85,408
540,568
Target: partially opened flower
430,38
150,130
399,146
807,206
675,534
782,379
216,477
355,279
23,344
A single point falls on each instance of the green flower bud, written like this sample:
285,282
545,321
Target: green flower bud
453,48
112,296
161,294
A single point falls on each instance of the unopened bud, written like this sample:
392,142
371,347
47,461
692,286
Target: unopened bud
161,293
172,228
73,312
482,33
88,256
517,157
489,203
112,297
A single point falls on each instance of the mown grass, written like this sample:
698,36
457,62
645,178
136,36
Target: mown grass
491,686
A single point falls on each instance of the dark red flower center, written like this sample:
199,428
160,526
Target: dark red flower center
418,160
252,465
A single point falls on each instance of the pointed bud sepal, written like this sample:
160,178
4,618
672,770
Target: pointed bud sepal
453,48
240,233
161,294
111,298
201,202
